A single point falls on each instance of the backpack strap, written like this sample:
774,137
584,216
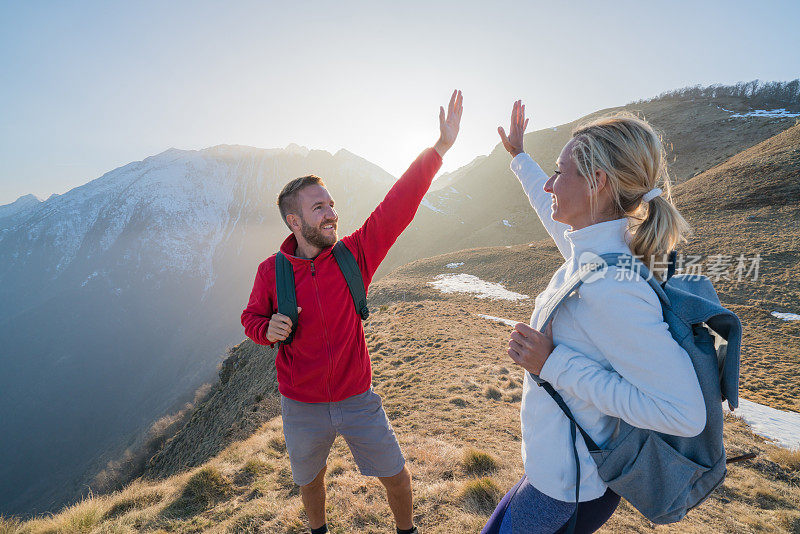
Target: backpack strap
352,275
590,444
548,311
285,289
670,267
621,259
584,271
552,304
284,286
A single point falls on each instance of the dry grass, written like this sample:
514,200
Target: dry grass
493,393
787,459
207,486
134,502
449,448
478,463
481,495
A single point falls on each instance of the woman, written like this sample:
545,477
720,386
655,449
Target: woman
607,350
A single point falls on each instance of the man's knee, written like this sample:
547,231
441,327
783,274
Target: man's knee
399,482
318,481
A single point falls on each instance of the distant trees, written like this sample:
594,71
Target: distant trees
759,94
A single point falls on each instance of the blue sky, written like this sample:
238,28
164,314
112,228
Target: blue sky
90,86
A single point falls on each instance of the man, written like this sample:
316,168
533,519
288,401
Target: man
325,374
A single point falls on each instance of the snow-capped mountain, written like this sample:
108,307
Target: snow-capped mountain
119,297
22,203
168,212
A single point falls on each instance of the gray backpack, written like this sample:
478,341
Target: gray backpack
661,475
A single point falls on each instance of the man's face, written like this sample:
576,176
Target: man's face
318,218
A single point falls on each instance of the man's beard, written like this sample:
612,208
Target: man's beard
314,235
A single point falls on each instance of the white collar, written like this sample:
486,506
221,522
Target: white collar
600,238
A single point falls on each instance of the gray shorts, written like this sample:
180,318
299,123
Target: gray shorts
311,427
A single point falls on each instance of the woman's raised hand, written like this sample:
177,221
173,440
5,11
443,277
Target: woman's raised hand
449,124
513,142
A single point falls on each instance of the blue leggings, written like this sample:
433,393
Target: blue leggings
527,510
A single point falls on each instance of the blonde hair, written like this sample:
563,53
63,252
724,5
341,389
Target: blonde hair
632,155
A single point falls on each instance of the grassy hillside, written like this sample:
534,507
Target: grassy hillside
245,397
453,398
751,204
453,395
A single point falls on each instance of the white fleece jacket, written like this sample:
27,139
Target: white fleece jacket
614,358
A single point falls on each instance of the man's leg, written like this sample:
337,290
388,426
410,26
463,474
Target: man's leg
362,422
398,493
309,436
313,495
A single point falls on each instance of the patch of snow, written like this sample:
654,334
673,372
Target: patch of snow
555,128
505,221
427,204
508,322
780,426
467,283
774,113
786,316
454,265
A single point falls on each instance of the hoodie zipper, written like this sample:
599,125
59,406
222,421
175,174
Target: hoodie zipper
324,331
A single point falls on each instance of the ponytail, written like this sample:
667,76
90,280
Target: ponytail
632,155
661,230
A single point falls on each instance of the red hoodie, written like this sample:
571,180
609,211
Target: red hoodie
327,360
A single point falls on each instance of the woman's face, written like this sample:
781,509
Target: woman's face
570,191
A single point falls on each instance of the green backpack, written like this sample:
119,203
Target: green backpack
284,285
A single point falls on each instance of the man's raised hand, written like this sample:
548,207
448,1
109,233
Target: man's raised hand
280,326
513,142
449,124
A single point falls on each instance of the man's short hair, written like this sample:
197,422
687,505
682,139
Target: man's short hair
287,199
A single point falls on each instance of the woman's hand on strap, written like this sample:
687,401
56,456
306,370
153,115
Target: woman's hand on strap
513,141
449,123
530,348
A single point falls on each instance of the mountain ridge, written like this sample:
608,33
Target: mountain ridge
470,210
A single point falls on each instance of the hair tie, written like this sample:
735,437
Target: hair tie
650,195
